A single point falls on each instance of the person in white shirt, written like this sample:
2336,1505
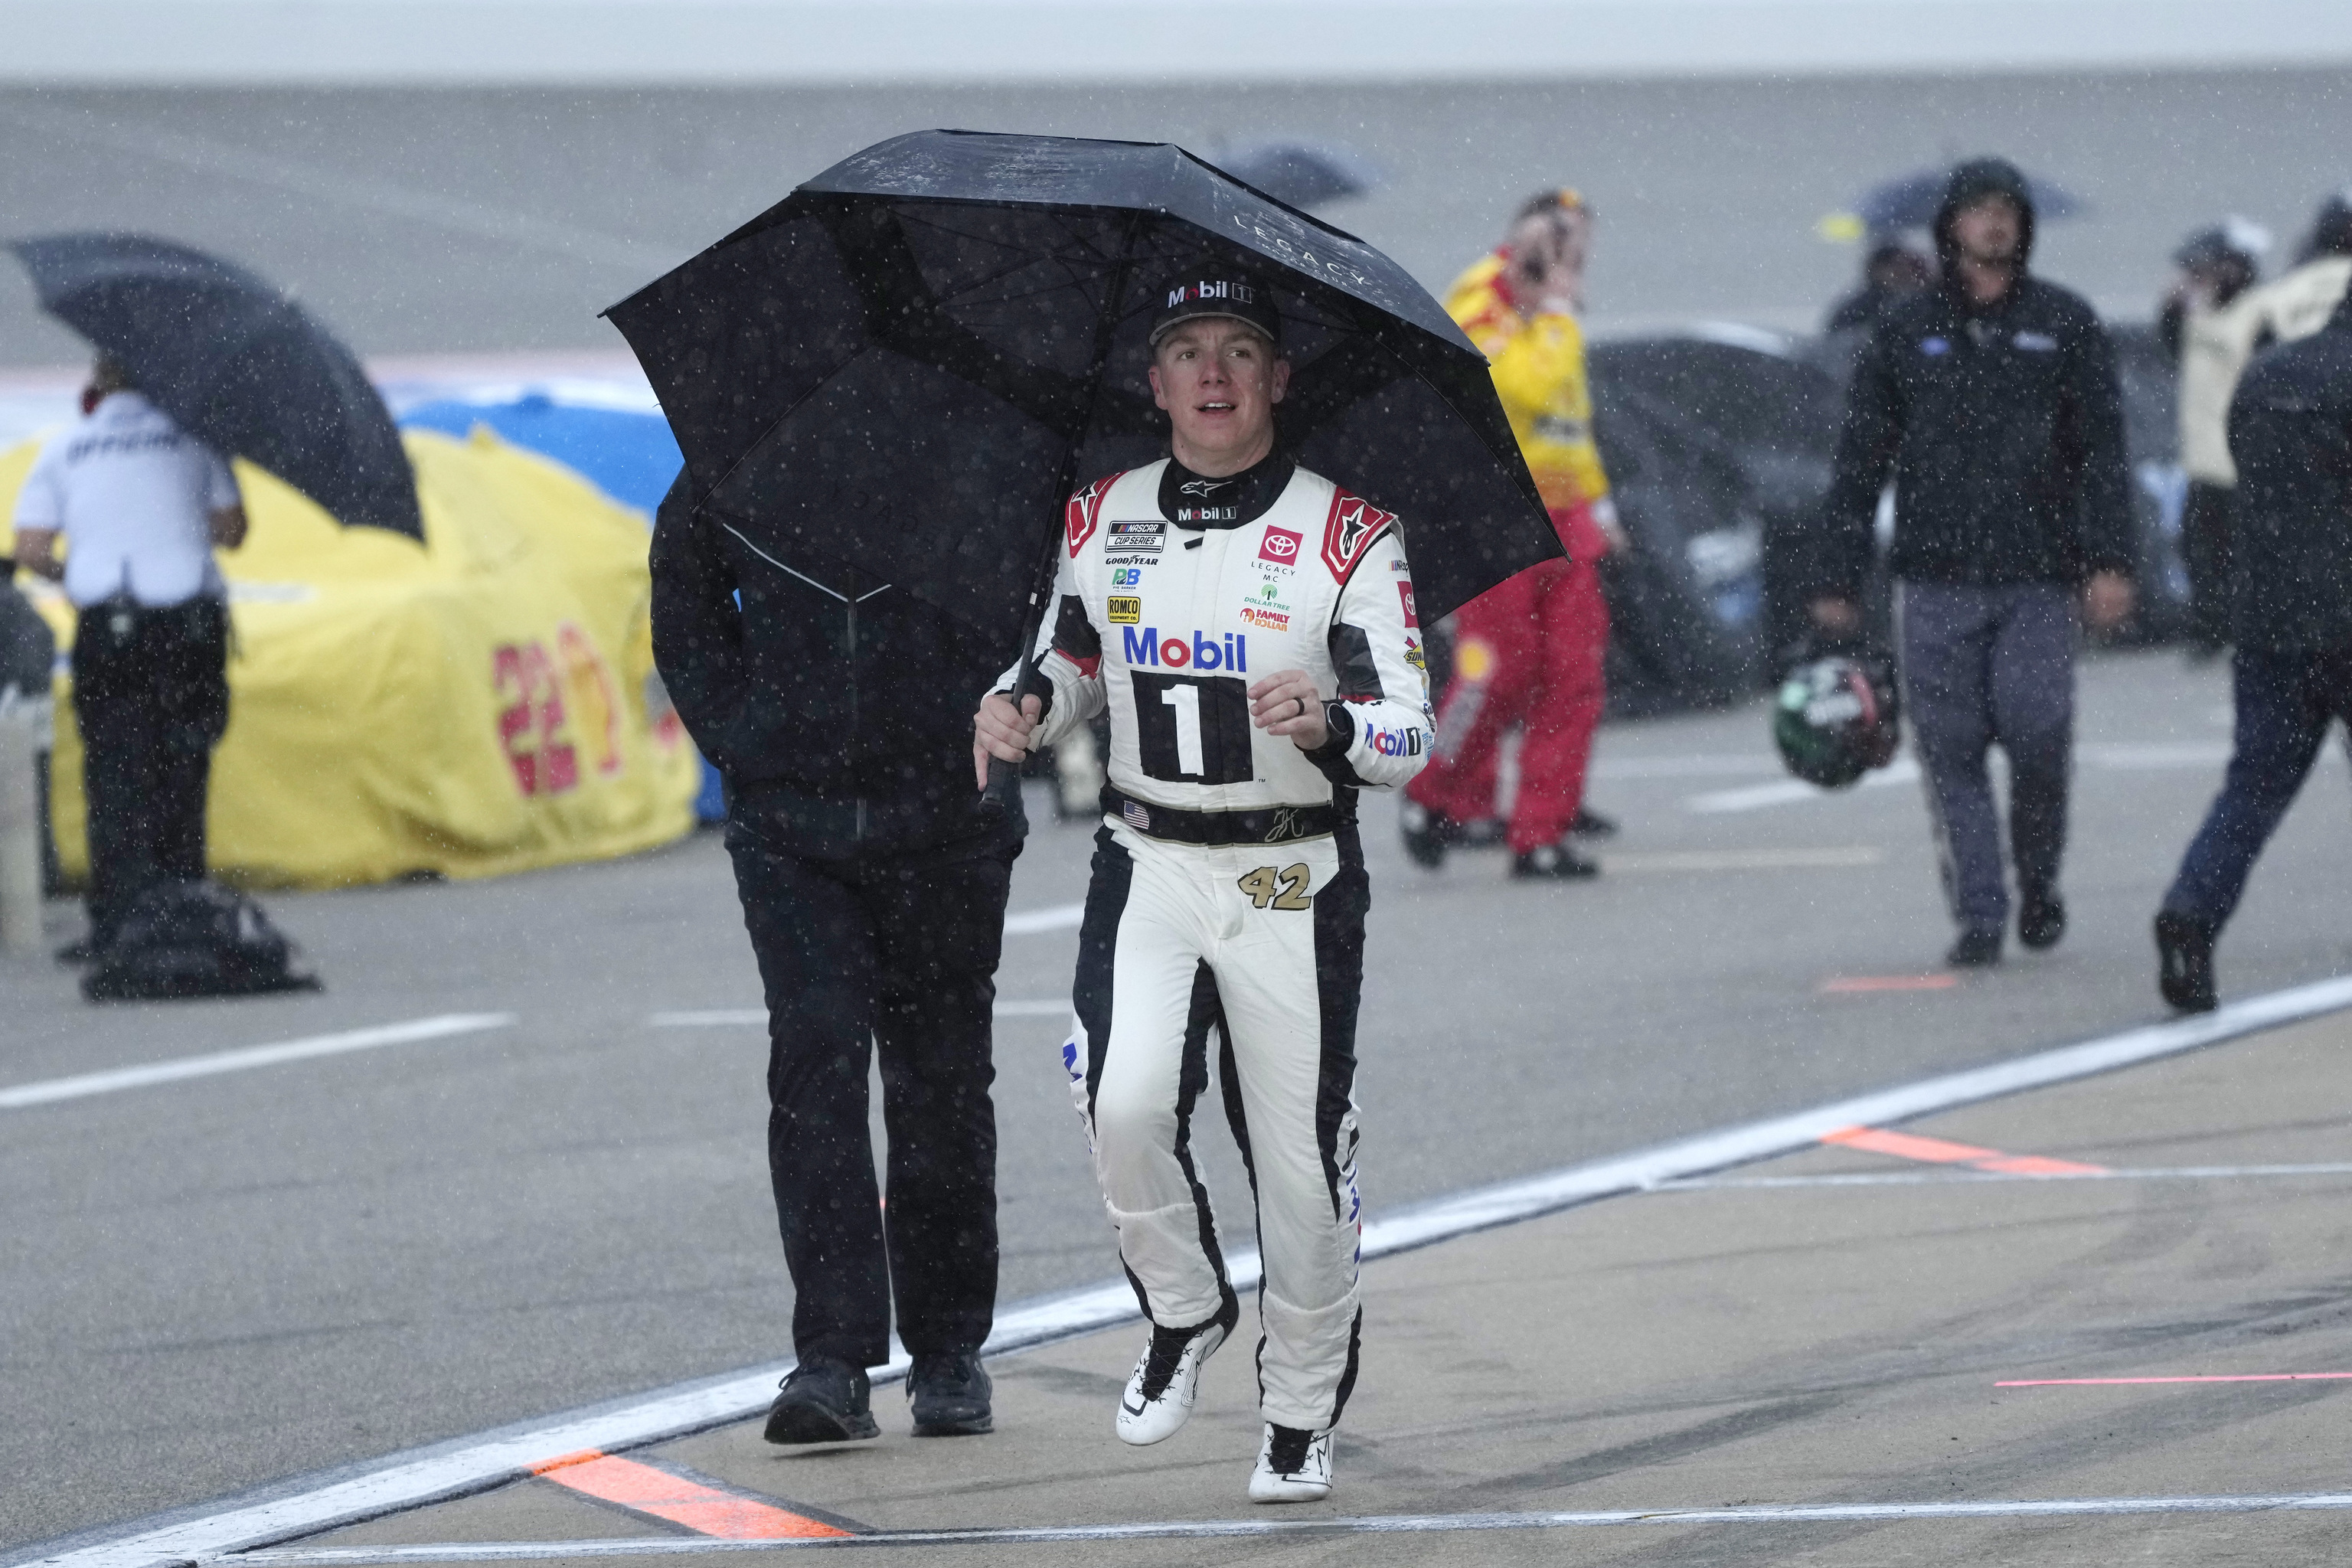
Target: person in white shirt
140,505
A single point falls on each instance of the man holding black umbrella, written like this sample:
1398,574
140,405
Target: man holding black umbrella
874,890
141,505
1250,627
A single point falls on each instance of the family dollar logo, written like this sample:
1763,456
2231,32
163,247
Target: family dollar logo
554,708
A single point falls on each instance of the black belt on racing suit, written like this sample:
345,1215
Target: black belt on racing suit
1259,825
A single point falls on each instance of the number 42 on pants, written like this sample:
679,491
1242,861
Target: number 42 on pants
1283,889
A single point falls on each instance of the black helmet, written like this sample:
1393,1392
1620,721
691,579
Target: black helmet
1836,718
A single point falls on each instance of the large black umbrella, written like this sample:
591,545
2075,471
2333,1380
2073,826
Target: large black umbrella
904,365
1910,201
235,363
1303,173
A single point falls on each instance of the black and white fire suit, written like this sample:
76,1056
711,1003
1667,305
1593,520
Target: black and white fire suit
1227,906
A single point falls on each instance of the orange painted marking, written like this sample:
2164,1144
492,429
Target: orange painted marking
704,1510
1941,1151
2234,1377
1851,985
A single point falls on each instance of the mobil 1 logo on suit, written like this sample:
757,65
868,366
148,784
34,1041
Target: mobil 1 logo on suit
1191,727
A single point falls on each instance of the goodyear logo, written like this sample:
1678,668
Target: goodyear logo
1126,610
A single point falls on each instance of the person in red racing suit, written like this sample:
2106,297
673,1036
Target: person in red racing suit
1529,652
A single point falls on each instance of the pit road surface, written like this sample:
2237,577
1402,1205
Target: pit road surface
211,1283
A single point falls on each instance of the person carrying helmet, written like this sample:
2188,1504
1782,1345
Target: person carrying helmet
1993,404
1530,652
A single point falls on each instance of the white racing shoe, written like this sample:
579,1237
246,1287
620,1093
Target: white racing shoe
1159,1392
1293,1466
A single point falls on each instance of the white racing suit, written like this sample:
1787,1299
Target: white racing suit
1226,911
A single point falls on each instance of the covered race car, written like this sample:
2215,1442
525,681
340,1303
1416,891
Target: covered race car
482,703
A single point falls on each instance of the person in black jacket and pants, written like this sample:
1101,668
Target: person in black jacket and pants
838,711
2291,618
1992,400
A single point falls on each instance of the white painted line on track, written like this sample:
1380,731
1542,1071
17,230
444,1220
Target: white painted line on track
1947,1178
1056,917
2114,756
51,1090
748,1018
1372,1524
403,1481
1836,858
1787,792
1688,765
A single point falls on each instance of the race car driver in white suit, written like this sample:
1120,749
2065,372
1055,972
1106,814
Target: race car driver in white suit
1250,626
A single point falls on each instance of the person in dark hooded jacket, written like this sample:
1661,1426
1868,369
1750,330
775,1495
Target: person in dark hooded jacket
1991,400
2291,618
837,709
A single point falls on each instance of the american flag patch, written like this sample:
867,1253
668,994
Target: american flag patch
1137,817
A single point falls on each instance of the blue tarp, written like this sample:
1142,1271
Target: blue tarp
629,456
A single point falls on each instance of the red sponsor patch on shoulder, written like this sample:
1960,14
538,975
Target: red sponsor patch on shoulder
1353,523
1085,511
1412,617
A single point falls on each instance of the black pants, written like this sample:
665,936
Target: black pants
899,948
1985,667
2205,534
2285,703
150,698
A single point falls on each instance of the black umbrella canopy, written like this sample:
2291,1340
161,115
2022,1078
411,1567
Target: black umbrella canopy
903,366
1302,174
1910,201
236,364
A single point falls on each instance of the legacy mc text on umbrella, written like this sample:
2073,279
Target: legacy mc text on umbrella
896,374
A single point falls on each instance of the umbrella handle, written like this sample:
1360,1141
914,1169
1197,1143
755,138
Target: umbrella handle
1003,788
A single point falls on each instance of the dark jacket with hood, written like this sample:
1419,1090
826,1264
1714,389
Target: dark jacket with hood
839,711
2002,425
2291,433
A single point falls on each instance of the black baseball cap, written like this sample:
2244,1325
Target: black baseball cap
1234,294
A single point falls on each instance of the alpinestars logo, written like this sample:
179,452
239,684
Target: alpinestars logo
1078,519
1204,488
1353,523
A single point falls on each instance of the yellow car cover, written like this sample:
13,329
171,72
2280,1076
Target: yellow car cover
483,703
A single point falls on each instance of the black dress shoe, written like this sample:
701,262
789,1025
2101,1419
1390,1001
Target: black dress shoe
950,1390
1559,862
2041,920
2184,963
1590,824
1979,947
823,1401
79,952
